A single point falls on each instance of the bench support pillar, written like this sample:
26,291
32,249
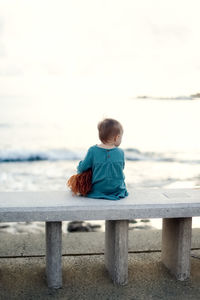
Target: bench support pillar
176,245
54,254
116,250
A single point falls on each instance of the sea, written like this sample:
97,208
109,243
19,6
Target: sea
42,141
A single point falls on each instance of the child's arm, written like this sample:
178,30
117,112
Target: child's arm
123,160
86,163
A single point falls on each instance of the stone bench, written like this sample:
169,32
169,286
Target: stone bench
175,206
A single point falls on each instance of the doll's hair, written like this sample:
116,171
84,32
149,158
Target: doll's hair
81,184
109,128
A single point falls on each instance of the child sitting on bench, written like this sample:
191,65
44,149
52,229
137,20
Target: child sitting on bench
106,161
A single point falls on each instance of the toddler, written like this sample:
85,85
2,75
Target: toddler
107,163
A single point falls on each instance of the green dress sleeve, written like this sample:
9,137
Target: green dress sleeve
86,163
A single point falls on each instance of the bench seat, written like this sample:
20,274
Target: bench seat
175,206
62,206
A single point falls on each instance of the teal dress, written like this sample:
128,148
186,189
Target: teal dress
107,172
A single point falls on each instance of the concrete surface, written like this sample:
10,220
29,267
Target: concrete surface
84,272
83,243
62,206
116,250
54,254
176,246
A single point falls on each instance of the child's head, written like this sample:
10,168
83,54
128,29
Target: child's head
110,131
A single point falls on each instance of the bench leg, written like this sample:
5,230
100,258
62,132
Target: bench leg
176,245
54,254
116,250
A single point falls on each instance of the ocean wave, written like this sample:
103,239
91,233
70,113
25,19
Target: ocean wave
136,155
34,155
131,154
183,97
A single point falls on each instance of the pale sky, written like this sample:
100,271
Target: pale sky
97,47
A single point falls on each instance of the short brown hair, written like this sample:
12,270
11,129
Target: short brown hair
109,128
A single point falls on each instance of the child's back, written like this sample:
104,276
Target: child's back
107,166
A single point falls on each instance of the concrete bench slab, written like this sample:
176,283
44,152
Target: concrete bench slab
62,206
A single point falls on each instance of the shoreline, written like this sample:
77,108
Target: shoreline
21,228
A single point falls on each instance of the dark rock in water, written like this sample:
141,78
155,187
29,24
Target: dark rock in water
145,221
142,97
197,95
147,227
133,221
2,226
81,226
141,227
